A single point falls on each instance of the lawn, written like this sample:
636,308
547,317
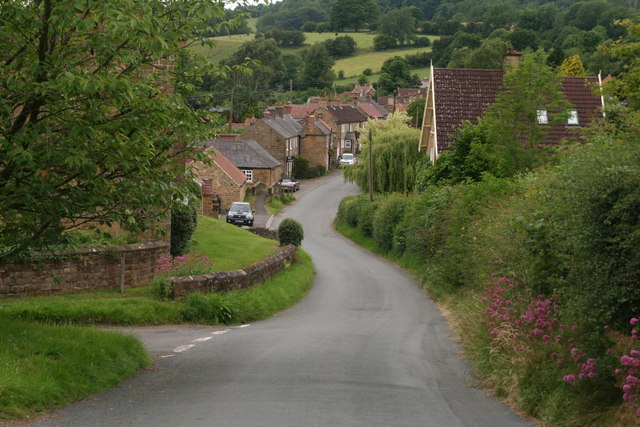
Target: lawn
230,247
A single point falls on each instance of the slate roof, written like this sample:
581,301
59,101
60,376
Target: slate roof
227,167
323,126
244,153
346,114
373,110
285,126
465,94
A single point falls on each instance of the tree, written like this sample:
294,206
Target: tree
340,46
317,70
352,14
416,111
395,73
627,50
572,66
395,157
512,121
91,130
399,24
489,56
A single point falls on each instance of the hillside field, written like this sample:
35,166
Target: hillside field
352,66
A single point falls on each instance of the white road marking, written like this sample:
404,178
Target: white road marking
183,348
203,339
164,356
220,332
243,326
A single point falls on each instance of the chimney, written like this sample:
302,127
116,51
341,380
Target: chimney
279,111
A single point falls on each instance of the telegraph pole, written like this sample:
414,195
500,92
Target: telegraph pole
370,166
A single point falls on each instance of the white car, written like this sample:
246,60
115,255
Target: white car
347,159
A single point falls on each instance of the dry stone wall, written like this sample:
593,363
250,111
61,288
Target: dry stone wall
236,279
84,270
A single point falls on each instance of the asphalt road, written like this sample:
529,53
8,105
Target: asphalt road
365,348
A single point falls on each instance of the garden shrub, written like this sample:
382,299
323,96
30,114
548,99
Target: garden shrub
302,170
162,288
385,220
290,232
183,224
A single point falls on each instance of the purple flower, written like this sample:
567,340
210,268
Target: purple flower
634,320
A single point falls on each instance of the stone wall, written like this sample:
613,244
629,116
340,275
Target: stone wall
84,270
236,279
266,232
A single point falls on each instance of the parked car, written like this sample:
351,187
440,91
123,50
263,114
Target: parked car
240,213
290,184
347,159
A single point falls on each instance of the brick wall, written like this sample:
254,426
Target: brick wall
236,279
84,270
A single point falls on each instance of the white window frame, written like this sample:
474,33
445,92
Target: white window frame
573,118
542,117
249,174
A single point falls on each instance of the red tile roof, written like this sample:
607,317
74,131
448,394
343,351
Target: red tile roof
371,111
227,167
462,94
465,94
299,112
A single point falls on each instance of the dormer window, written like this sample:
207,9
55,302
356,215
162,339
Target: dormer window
573,118
542,118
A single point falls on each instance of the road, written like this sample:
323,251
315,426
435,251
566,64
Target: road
364,348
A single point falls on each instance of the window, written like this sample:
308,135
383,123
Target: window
542,117
347,143
344,127
249,174
573,118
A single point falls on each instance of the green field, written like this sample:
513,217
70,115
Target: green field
352,66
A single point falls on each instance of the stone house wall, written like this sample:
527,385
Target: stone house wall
236,279
264,135
223,187
315,147
85,270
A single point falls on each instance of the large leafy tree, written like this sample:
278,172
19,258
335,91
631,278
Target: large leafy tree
317,71
396,73
512,121
90,127
353,14
398,24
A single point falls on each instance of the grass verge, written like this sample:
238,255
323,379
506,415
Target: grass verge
46,366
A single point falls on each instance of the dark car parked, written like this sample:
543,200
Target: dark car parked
240,213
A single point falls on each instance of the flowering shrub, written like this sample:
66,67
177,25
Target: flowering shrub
515,324
630,369
188,265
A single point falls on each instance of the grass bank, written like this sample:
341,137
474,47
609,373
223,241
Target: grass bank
46,366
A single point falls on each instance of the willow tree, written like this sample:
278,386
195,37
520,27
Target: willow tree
89,121
395,157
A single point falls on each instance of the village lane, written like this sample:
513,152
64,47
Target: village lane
366,347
